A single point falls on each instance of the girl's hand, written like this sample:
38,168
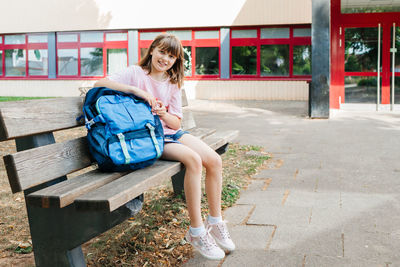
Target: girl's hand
160,109
148,98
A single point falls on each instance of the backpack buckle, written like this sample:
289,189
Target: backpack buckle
89,124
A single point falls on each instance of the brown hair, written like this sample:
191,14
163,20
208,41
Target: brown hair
171,44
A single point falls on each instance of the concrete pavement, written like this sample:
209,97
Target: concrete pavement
332,195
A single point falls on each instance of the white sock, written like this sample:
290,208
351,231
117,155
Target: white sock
195,231
213,220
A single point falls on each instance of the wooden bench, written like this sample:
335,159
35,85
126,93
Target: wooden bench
65,213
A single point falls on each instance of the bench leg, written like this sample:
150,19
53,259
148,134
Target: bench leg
51,257
222,149
178,182
57,234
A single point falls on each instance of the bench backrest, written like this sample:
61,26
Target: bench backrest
21,119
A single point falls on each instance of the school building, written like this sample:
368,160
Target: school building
334,53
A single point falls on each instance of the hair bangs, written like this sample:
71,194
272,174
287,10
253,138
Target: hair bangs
171,45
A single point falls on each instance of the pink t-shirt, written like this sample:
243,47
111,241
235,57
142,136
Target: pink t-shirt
164,91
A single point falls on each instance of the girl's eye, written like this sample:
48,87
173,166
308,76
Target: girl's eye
162,52
171,56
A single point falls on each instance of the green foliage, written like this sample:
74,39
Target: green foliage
361,49
244,60
371,9
367,82
207,60
23,250
275,60
302,60
18,98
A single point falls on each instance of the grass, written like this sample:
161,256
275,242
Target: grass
18,98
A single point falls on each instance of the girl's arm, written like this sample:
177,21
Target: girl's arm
126,89
170,120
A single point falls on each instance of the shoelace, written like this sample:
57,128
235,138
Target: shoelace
207,240
223,230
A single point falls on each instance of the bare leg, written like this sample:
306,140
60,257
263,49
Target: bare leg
192,183
213,164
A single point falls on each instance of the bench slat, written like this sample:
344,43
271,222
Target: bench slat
32,167
118,192
64,193
221,138
127,187
29,117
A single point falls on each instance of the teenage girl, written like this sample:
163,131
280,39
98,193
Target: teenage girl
157,79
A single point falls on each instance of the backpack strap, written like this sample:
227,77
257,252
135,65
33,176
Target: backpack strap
154,139
121,138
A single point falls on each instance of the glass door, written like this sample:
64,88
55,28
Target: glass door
362,58
395,66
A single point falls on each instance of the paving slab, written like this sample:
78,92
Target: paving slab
237,214
307,241
251,237
256,185
259,257
200,261
284,215
282,173
267,197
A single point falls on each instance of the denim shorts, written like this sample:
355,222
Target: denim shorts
173,138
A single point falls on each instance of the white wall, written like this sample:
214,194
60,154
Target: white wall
22,16
216,90
247,90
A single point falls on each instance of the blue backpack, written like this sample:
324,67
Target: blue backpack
123,134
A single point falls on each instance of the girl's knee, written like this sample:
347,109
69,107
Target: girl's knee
213,161
193,162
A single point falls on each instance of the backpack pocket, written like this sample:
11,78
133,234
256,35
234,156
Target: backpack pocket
136,146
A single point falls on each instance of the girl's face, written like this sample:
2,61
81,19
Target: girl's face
161,60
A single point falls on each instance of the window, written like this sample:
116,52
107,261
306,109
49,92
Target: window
24,56
244,60
302,60
271,52
201,50
67,62
91,54
114,58
275,60
15,62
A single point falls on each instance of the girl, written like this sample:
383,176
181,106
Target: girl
157,79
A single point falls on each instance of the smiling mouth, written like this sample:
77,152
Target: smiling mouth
162,64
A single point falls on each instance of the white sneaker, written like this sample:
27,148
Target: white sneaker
221,235
205,245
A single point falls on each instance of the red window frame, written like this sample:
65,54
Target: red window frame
193,43
257,42
78,45
26,46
